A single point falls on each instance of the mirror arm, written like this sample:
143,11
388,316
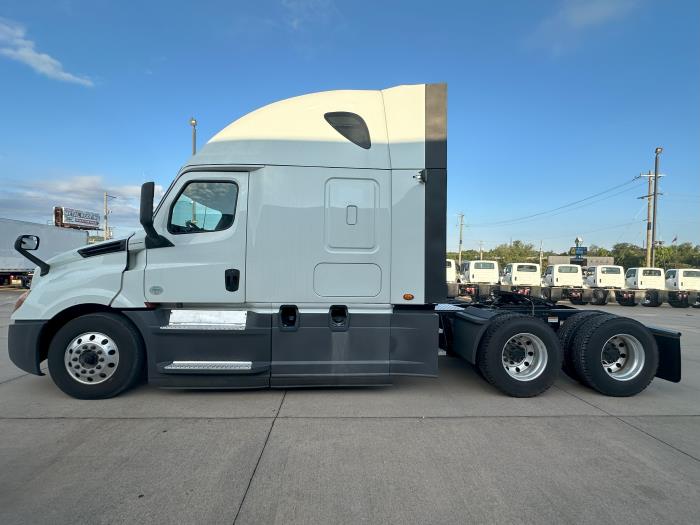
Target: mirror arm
43,265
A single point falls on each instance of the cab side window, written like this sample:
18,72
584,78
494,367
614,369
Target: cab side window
204,206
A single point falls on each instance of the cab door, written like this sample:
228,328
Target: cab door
204,217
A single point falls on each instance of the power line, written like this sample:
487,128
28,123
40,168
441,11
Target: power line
557,211
565,207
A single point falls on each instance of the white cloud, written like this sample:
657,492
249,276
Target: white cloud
299,13
565,27
34,201
15,46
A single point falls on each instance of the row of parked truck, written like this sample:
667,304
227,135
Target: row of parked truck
599,285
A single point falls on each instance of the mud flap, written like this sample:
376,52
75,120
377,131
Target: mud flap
669,343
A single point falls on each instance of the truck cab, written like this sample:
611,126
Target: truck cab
563,275
645,278
480,272
521,274
683,279
605,276
451,271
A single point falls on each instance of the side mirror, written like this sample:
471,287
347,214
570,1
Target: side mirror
146,212
29,242
153,239
26,243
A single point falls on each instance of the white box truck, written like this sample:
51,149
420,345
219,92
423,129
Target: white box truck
451,278
643,285
604,280
522,278
351,187
479,279
564,281
683,287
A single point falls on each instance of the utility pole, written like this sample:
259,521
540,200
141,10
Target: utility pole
481,250
657,153
459,252
107,235
650,194
193,123
540,255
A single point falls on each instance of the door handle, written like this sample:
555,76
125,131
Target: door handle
232,279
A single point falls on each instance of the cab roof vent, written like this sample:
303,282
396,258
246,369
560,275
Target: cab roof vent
351,126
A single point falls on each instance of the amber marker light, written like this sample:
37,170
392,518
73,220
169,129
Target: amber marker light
408,297
21,299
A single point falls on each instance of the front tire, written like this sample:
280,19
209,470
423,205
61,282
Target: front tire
520,355
96,356
616,356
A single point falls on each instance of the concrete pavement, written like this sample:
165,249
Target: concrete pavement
446,450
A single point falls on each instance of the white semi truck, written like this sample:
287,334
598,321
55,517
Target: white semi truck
350,186
16,269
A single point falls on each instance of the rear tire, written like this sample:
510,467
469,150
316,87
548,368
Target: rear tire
520,355
598,297
675,303
452,290
616,356
106,351
630,301
652,299
567,333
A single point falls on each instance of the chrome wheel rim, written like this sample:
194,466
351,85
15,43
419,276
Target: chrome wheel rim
622,357
91,358
524,357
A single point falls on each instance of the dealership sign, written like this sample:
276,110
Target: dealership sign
72,218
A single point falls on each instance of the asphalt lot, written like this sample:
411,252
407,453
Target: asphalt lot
446,450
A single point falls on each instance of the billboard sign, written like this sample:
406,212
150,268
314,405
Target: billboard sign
72,218
580,251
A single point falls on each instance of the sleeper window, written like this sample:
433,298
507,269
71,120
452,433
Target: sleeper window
204,206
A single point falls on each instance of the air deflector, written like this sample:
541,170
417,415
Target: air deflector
351,126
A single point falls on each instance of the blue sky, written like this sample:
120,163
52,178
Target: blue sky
549,101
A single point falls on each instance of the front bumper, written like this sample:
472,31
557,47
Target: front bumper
23,345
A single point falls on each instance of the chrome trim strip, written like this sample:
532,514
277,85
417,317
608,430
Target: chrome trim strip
193,326
209,365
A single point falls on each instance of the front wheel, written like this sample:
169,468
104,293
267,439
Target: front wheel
96,356
519,355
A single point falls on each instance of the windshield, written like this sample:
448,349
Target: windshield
651,273
611,270
484,266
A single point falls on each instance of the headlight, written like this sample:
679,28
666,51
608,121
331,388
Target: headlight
20,300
